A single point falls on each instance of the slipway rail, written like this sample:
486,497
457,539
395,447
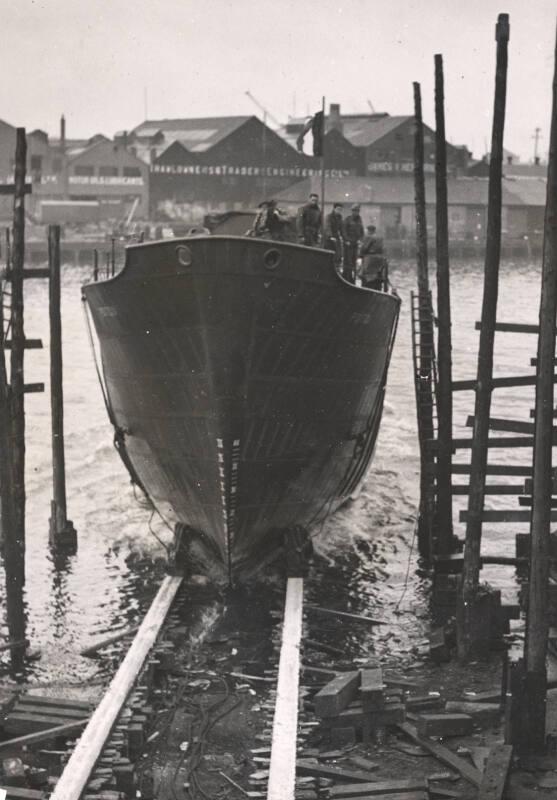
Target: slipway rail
82,761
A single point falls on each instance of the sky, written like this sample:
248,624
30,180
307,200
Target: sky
110,64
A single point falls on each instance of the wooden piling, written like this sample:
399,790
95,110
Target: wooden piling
532,729
62,531
444,359
471,567
17,403
95,265
425,387
113,256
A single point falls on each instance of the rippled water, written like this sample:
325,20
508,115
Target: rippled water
365,546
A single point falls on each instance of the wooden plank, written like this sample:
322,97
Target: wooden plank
59,702
509,381
496,773
496,469
76,773
28,344
9,188
444,755
512,327
31,723
452,563
496,441
94,648
304,767
24,794
509,515
527,500
18,742
33,388
444,724
336,695
282,770
330,612
51,711
380,788
509,425
499,489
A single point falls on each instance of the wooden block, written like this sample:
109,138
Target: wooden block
363,763
496,773
380,788
371,689
444,725
423,701
481,713
336,695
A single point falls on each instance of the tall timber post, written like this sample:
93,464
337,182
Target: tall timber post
444,524
467,603
422,326
62,531
537,619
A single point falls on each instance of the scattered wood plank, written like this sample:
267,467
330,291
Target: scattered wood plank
496,773
363,763
43,736
443,754
323,647
336,773
94,648
33,723
445,724
337,694
330,612
17,793
365,790
58,702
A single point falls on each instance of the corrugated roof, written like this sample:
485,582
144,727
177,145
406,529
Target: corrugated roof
363,132
399,190
197,134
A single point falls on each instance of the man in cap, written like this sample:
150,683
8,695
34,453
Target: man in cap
309,222
374,267
353,235
333,232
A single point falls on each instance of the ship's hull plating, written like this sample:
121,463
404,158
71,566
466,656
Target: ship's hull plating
247,393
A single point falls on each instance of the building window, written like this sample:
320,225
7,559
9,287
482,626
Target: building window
132,172
84,169
36,163
108,172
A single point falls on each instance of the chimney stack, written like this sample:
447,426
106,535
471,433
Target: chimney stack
63,133
335,120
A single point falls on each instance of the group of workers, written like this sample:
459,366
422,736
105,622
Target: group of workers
345,236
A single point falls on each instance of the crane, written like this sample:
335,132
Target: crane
262,108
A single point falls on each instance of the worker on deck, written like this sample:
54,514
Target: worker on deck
270,222
309,222
374,267
353,235
333,233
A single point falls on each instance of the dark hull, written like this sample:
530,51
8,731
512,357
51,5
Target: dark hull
248,398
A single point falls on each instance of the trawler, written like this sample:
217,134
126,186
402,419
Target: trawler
245,379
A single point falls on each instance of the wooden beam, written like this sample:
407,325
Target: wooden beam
78,769
443,754
512,327
512,489
497,441
331,612
527,500
499,383
282,769
507,515
496,469
33,388
510,425
28,344
94,648
9,188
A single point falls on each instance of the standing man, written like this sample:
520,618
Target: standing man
333,233
353,234
309,222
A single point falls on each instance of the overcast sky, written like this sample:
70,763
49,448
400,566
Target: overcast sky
102,62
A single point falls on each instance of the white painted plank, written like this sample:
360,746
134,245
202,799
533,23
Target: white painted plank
282,771
78,769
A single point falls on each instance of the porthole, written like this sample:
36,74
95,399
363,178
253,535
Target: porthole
272,258
185,257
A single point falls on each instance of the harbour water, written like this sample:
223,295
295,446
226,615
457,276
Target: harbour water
367,553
